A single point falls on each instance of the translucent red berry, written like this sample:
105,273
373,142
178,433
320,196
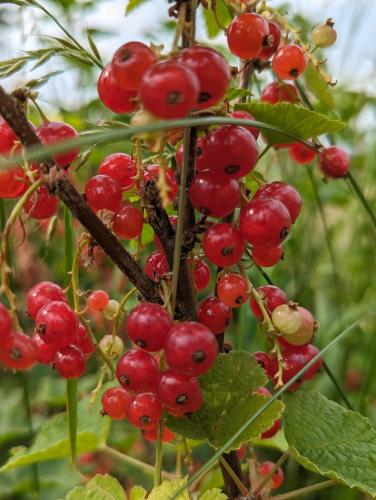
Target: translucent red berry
145,410
247,35
112,95
302,154
289,62
8,139
273,40
13,182
156,266
70,362
232,290
148,325
190,348
46,353
115,402
272,431
334,162
42,294
223,244
121,167
265,468
41,204
102,192
294,360
272,297
153,173
243,115
57,132
83,341
179,392
267,257
212,71
19,352
284,193
265,222
5,323
214,314
128,222
56,324
152,434
267,362
138,371
279,92
129,64
200,165
201,272
98,300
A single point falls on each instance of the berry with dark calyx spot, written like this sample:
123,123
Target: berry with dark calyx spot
213,196
128,222
83,341
324,35
302,154
200,165
19,352
286,319
13,182
70,362
289,62
56,324
41,204
179,392
156,266
152,434
267,257
42,294
97,300
232,290
284,193
201,272
102,192
280,92
190,348
138,371
148,325
112,95
145,410
130,63
214,314
55,133
169,90
212,71
5,323
274,38
294,360
115,403
152,173
267,362
265,468
230,151
243,115
247,35
46,353
334,162
272,297
121,167
223,244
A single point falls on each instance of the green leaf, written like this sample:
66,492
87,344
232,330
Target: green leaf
100,487
318,86
229,401
167,490
132,4
137,493
52,440
234,93
213,494
294,119
223,16
93,46
326,438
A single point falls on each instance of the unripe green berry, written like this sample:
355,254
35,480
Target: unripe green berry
112,346
287,319
112,309
324,35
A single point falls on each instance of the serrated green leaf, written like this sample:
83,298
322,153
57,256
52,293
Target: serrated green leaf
326,438
292,118
229,401
137,493
52,440
223,17
167,490
100,487
213,494
234,93
318,86
132,4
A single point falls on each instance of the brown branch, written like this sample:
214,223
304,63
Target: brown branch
14,115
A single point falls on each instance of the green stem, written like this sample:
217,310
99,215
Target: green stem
234,477
2,214
338,387
304,491
72,397
158,455
363,200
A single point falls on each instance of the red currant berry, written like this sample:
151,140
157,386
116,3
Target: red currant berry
5,324
138,371
179,392
268,363
103,193
267,257
272,431
214,314
120,167
41,204
156,266
200,165
46,353
287,319
277,478
19,352
83,341
152,434
304,334
56,324
55,133
265,222
280,92
230,151
302,154
274,38
232,290
8,139
13,182
294,360
243,115
334,162
247,35
70,362
272,297
190,348
284,193
112,95
42,294
213,196
289,62
201,273
115,403
212,71
145,410
148,325
152,173
223,244
129,64
128,222
98,300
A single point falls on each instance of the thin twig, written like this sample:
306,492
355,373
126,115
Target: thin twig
304,491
